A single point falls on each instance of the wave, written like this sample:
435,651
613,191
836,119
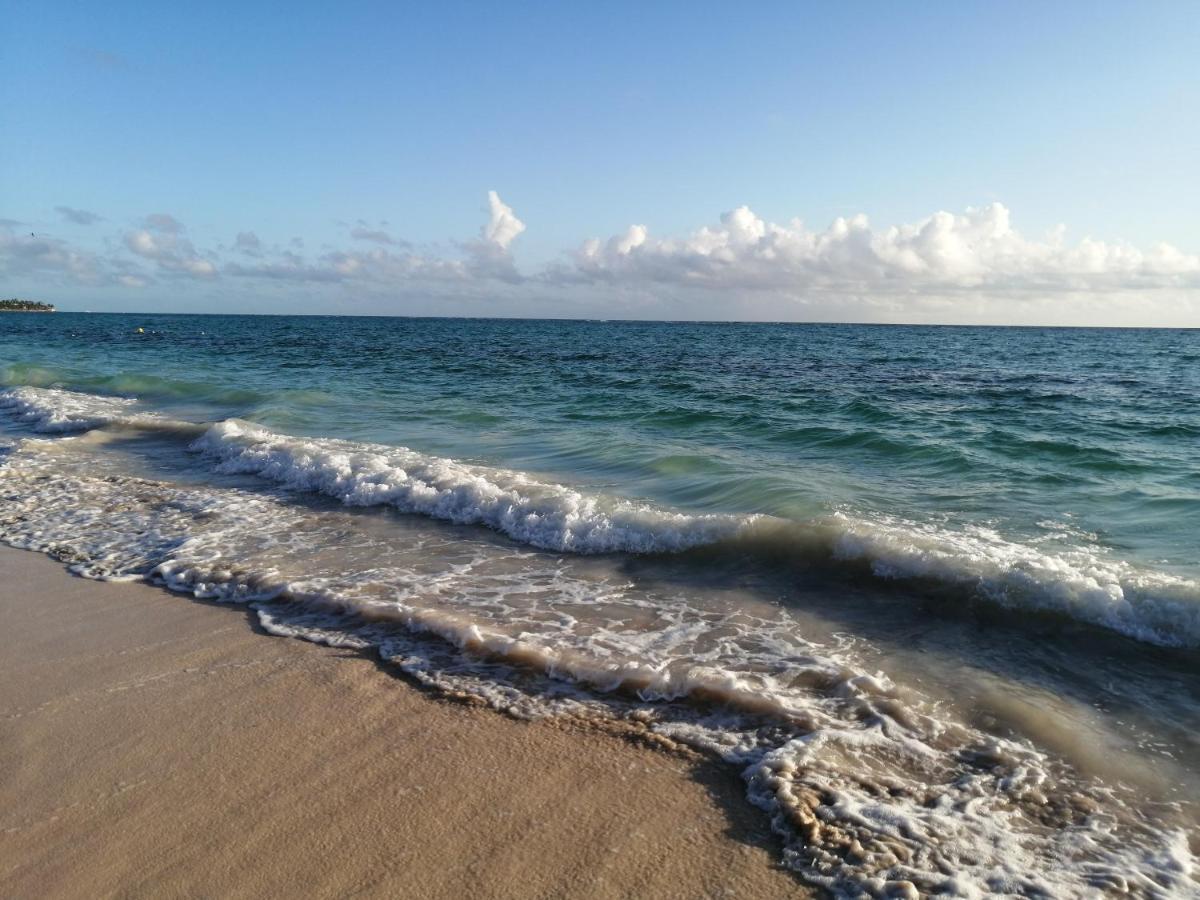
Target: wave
126,384
53,411
544,515
1079,581
59,411
1082,583
873,789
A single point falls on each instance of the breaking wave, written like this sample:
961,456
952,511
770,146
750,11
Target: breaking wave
874,790
1079,580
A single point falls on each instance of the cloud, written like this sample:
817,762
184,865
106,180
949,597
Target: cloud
502,226
396,263
372,267
978,250
286,266
163,223
969,267
489,256
22,255
247,242
78,216
377,236
54,259
161,241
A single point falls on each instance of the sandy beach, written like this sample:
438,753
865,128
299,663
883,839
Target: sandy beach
155,746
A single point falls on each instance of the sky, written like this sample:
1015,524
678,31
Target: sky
1011,163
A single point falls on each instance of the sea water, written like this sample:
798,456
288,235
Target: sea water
934,592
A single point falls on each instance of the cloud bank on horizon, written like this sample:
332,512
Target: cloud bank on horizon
968,267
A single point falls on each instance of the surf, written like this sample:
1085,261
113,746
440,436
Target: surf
974,563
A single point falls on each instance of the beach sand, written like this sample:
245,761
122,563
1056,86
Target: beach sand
155,746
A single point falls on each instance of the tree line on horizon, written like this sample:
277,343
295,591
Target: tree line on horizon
17,305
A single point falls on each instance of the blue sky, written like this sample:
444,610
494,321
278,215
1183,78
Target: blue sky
294,121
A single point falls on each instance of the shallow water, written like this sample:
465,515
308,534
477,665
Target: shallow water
936,591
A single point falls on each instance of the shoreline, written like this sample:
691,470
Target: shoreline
155,744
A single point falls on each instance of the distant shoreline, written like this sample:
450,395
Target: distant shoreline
16,304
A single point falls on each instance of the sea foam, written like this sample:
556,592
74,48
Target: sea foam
874,790
1083,581
55,411
542,514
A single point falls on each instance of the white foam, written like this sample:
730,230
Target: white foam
57,411
541,514
873,790
52,411
1082,581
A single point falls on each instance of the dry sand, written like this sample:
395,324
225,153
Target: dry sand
155,746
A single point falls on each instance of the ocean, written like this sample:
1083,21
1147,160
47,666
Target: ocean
933,591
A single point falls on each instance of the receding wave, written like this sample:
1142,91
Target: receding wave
1080,581
58,411
51,410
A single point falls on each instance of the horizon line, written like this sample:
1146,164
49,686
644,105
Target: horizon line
593,319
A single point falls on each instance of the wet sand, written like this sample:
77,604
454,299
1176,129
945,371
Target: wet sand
155,746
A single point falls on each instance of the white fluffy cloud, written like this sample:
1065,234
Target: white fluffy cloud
945,252
971,267
162,241
502,226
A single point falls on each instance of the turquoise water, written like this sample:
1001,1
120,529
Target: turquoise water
857,562
1023,430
